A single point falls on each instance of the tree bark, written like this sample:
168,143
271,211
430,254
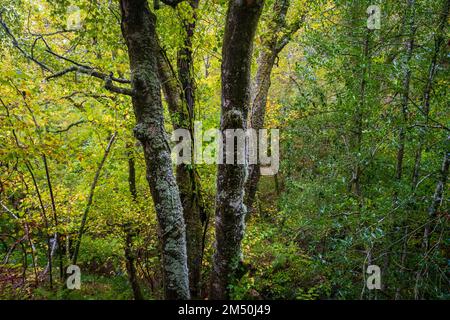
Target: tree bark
358,118
180,97
273,43
437,200
138,29
241,22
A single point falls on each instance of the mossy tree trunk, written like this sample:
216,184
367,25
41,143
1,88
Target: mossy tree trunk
138,28
179,91
241,22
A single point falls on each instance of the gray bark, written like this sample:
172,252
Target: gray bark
241,22
138,29
179,92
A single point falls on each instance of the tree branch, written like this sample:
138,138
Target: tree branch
103,76
172,3
16,44
68,127
292,29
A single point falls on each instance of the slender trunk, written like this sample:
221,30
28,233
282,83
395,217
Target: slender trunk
139,31
44,216
437,201
55,217
130,264
33,251
409,46
272,45
440,42
363,60
187,177
432,215
241,22
359,119
131,171
90,199
129,254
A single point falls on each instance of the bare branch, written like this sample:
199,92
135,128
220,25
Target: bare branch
68,127
89,71
16,44
107,78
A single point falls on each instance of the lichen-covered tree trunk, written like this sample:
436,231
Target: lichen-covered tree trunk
187,177
241,22
138,28
179,96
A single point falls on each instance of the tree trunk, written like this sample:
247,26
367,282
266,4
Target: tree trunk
131,171
138,28
358,119
90,199
440,42
437,200
241,22
187,176
130,264
129,254
432,213
180,97
272,45
409,46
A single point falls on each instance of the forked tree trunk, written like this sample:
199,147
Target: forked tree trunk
241,22
273,43
138,29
